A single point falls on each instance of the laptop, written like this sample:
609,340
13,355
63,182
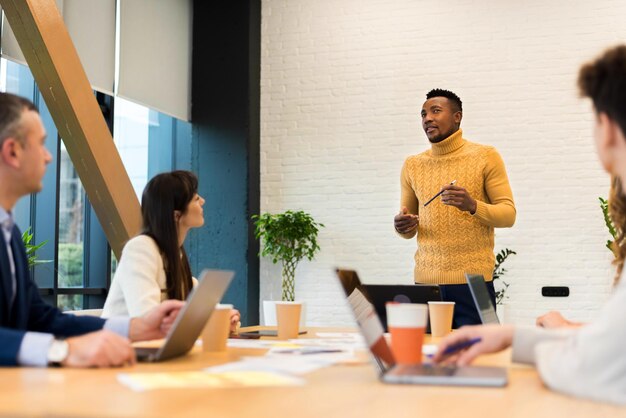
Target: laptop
380,294
482,300
371,328
191,319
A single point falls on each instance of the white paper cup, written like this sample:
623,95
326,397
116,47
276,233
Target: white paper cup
441,314
288,319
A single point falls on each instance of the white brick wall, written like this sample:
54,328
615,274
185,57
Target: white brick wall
343,82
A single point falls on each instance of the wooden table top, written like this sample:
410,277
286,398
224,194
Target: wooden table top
337,391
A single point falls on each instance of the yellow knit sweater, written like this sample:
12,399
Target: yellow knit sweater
451,242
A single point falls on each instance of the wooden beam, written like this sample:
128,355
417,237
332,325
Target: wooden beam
53,60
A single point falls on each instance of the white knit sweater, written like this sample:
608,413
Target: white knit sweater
589,362
139,283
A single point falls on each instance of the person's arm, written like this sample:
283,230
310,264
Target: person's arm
405,222
590,363
137,275
499,212
554,319
485,339
106,348
33,346
526,340
10,347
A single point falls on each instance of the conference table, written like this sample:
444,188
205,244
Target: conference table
351,390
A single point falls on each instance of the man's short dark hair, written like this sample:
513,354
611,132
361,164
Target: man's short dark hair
604,82
456,101
11,109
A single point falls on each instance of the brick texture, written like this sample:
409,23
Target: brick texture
342,85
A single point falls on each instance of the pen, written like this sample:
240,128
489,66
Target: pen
458,347
438,194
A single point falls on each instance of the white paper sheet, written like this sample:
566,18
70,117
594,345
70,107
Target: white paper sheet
141,382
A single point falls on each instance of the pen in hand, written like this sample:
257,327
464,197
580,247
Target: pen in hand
438,194
455,348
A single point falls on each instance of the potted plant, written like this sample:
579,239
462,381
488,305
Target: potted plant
31,249
498,272
604,205
287,237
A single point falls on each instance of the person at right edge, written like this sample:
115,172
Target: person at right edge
455,232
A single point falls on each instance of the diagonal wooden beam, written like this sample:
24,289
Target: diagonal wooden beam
53,60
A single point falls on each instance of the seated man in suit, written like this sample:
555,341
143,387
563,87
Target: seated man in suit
33,333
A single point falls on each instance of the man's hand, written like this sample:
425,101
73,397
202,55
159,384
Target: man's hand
458,197
404,222
99,349
156,323
492,338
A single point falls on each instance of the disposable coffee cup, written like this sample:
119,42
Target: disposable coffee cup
215,332
288,319
407,324
441,314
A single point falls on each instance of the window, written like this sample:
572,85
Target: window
81,263
130,133
71,232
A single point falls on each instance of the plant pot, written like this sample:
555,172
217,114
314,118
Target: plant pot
269,314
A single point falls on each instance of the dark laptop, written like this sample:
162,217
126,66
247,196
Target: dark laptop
191,319
424,374
482,300
380,294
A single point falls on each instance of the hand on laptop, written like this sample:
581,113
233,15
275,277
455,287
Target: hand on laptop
492,338
156,323
99,349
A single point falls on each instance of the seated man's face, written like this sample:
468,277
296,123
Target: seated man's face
33,157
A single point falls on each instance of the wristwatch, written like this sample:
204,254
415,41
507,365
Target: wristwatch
58,352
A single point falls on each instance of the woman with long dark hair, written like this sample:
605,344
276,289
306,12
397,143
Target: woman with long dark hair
154,264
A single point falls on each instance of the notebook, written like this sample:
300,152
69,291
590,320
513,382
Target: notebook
191,319
482,300
380,294
371,328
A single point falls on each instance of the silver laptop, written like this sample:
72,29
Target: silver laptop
192,317
482,300
371,328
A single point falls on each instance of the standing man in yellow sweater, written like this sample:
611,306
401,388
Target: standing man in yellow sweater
454,232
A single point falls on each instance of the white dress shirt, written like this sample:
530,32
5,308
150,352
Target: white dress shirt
588,362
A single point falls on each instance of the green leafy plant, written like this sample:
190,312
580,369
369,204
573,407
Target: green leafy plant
31,249
604,205
288,237
499,271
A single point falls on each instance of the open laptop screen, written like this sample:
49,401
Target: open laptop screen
366,317
423,374
380,294
192,317
480,294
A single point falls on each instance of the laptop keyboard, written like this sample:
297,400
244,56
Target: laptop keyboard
425,370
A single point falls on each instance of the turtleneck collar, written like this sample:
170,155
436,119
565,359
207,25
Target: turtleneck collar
448,145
